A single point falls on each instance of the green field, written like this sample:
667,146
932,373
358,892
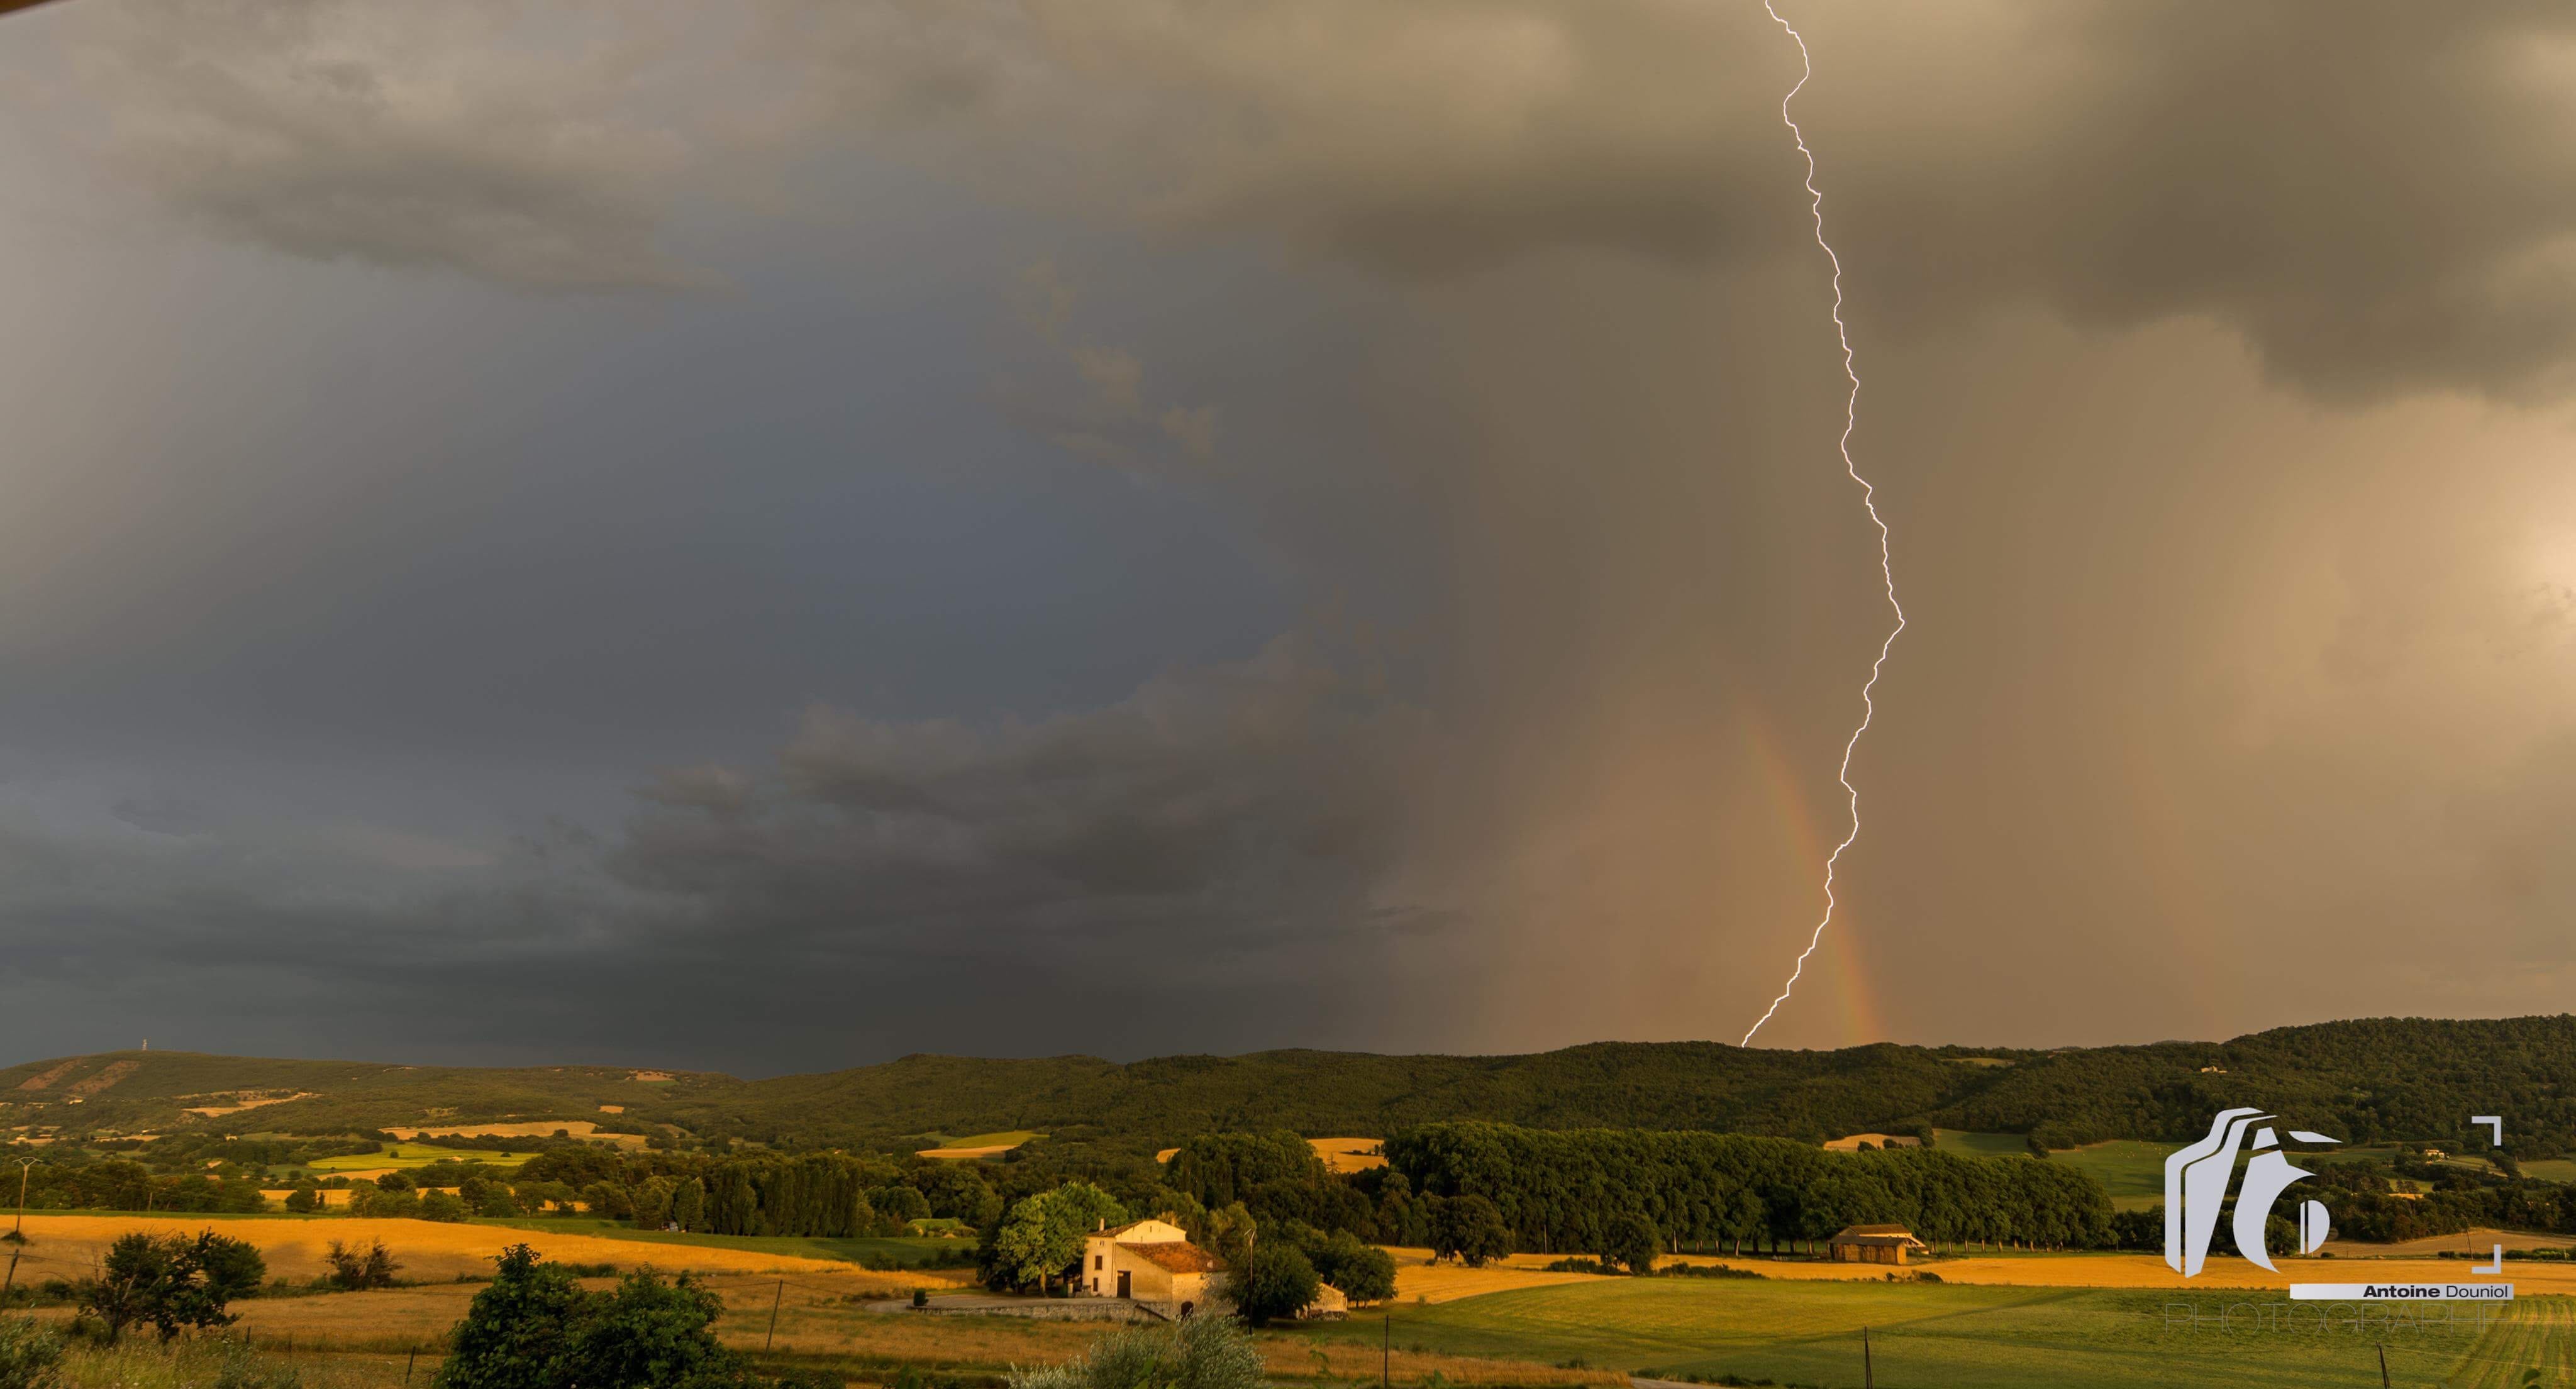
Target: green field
419,1155
1967,1144
906,1252
2131,1170
2551,1169
1934,1337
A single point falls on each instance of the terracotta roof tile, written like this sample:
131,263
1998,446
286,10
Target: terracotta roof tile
1177,1256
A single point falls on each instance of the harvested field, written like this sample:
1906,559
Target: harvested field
976,1146
2433,1246
1339,1154
247,1101
332,1197
63,1246
540,1128
1348,1154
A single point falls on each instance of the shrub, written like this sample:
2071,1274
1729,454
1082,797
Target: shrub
357,1270
535,1328
445,1207
1196,1353
31,1356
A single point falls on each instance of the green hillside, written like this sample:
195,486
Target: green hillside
2364,1081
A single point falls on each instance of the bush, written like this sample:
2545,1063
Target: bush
233,1266
445,1207
31,1356
1196,1353
303,1200
535,1328
358,1270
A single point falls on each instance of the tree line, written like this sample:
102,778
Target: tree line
1569,1191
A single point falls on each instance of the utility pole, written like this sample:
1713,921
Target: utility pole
2383,1365
1868,1380
18,1232
775,1299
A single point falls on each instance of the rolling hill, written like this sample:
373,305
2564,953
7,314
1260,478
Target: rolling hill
2362,1080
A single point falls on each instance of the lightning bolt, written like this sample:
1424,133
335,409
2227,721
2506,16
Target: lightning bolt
1868,499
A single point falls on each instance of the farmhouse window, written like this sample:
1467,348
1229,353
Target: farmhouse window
1095,1261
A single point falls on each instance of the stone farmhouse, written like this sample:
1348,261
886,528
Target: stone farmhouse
1153,1264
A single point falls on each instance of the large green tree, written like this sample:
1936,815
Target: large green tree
1041,1237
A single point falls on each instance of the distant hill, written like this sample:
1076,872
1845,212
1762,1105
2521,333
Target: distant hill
2362,1080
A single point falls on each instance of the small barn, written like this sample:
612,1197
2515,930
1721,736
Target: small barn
1874,1244
1153,1264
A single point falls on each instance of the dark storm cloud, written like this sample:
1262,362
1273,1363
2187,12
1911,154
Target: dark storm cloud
2375,194
1232,805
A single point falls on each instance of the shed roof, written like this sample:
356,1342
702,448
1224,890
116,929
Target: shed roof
1875,1234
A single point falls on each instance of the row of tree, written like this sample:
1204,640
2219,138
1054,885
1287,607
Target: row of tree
1563,1190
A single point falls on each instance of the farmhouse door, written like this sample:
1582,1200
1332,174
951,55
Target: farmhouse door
1122,1282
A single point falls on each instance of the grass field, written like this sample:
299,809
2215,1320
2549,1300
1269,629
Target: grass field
2131,1170
1967,1144
1953,1337
2551,1169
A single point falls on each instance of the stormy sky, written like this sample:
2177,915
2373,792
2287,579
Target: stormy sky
770,537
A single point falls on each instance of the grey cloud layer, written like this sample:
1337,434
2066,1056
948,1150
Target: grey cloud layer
2199,670
2375,194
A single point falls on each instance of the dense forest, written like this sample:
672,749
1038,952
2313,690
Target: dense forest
2362,1081
1564,1191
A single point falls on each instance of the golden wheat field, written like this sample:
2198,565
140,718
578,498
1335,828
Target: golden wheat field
65,1246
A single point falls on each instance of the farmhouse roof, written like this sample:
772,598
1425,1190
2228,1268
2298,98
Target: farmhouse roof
1177,1256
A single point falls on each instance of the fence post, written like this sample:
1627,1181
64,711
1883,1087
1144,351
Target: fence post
2383,1365
1868,1378
408,1362
781,1296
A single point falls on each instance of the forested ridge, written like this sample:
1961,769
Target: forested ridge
2362,1080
